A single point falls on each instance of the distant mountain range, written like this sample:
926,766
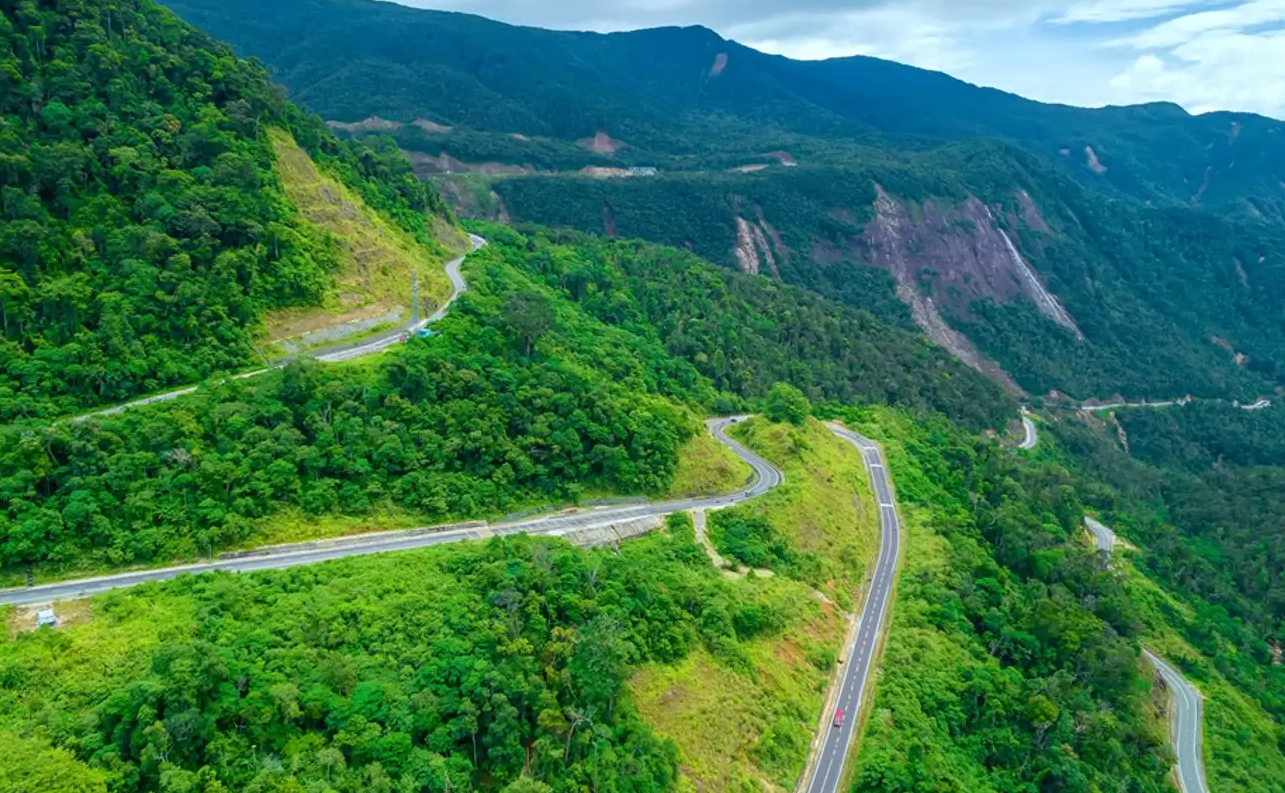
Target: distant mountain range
670,90
1132,250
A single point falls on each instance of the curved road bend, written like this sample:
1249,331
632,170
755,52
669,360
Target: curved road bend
333,353
1104,537
1032,435
1185,727
765,477
827,773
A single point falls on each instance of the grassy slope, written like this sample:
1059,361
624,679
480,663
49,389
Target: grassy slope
824,507
377,257
767,711
707,467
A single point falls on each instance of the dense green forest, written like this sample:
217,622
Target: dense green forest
1001,609
747,333
566,368
684,95
1164,244
143,233
501,665
1212,534
1165,299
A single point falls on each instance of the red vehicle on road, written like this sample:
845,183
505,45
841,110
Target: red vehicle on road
838,717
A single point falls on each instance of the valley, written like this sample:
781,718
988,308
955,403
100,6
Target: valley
399,401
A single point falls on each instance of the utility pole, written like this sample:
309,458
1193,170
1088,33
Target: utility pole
414,297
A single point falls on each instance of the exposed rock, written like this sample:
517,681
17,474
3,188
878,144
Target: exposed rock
1120,434
889,238
746,254
760,241
431,126
602,143
960,251
783,157
427,165
753,247
1031,214
1047,304
1239,357
720,63
758,166
1094,163
372,124
777,244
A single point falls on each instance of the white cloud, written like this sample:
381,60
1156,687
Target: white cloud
1184,29
1228,58
1103,11
895,33
1213,72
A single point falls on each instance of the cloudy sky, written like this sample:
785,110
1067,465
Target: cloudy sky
1202,54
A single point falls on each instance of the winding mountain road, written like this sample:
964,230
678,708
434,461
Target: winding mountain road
1032,434
827,772
1104,537
1185,728
330,354
765,477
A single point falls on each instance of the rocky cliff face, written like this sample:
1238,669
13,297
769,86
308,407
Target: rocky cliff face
945,257
757,246
957,253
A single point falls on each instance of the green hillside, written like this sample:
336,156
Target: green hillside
166,210
686,92
1156,236
145,236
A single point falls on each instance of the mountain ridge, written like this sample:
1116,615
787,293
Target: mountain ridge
671,91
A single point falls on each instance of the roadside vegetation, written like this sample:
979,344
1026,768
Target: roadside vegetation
376,258
1012,659
547,383
145,235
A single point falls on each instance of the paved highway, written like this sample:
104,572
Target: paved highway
331,354
859,658
1032,435
1185,726
1104,536
765,477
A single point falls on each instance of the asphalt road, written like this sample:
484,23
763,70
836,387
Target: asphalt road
859,658
765,477
1104,536
1032,435
1184,728
1185,724
333,353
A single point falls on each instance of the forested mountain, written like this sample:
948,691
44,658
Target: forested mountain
1145,302
1089,252
144,234
687,91
163,203
566,368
